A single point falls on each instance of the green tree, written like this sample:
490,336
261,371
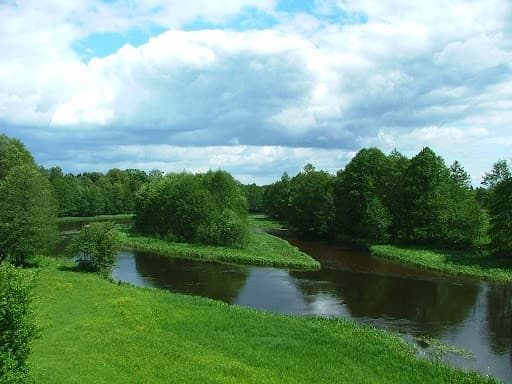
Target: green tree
311,202
500,172
500,209
394,195
276,198
360,195
27,214
97,245
17,326
207,208
426,176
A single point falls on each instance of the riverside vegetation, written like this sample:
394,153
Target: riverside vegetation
112,333
96,331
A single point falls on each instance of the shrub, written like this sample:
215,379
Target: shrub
17,325
97,246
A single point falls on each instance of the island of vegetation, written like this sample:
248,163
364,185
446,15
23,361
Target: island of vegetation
110,332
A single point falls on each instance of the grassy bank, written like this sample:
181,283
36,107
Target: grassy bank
94,331
263,249
264,222
460,263
90,219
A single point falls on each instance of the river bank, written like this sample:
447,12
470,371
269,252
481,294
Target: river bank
96,331
262,249
453,262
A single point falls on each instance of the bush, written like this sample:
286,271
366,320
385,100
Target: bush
97,246
17,325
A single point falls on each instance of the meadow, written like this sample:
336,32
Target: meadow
95,331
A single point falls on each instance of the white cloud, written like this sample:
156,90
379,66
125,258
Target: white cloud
413,73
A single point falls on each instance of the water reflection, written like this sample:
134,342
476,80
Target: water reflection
426,305
466,313
499,317
213,280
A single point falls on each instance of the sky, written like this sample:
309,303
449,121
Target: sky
255,87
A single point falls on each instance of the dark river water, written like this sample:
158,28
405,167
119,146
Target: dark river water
465,313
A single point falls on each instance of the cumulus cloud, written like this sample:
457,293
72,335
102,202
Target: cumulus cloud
341,75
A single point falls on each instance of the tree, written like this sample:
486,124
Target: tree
206,208
17,326
27,214
311,202
360,195
500,171
97,245
424,195
500,212
459,175
394,195
276,198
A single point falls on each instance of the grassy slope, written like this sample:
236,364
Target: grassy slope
90,219
264,222
263,249
460,263
94,331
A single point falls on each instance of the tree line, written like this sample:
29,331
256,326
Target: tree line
392,198
114,192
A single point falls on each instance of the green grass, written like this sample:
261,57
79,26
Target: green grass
95,331
73,219
263,221
459,263
263,249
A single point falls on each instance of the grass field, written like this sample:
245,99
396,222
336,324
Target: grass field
263,249
264,222
95,331
90,219
460,263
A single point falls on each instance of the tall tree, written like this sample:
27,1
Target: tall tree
500,171
499,181
311,202
27,214
27,204
360,195
426,176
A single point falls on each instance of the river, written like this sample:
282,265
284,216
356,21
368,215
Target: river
466,313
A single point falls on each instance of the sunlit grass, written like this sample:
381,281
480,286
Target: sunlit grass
95,331
88,219
460,263
264,222
263,249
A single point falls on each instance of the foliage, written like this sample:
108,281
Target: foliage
27,206
383,198
254,194
17,327
500,172
501,218
456,262
360,210
94,193
276,199
262,249
97,245
205,208
311,202
123,334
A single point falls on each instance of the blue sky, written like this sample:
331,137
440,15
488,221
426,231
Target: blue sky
256,87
